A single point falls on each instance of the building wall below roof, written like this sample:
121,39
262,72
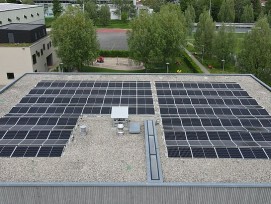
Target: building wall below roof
134,194
19,60
23,16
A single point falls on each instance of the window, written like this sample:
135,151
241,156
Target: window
36,70
34,59
38,14
10,75
0,22
37,53
41,52
43,46
17,18
48,46
36,36
32,15
9,20
25,16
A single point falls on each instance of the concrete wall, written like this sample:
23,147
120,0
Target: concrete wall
20,13
18,60
41,65
15,60
71,194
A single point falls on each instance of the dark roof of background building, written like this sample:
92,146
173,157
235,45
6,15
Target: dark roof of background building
20,26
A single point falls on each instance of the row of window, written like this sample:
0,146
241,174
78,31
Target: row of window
18,18
34,56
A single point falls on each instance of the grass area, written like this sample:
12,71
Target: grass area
15,44
217,68
48,22
116,24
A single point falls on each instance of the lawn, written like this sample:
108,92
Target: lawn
217,65
116,24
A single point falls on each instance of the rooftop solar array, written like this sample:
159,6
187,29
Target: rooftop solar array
41,124
213,120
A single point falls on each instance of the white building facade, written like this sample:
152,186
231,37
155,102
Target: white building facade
19,57
21,13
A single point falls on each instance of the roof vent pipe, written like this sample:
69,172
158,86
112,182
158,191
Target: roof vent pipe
83,130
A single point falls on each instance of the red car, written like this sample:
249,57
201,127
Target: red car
100,59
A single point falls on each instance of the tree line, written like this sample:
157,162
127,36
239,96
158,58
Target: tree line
238,11
158,38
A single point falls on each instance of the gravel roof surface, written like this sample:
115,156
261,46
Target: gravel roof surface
104,157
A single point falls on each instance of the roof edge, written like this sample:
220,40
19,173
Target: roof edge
105,73
133,184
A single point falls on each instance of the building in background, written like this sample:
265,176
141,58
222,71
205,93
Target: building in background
48,6
24,43
21,13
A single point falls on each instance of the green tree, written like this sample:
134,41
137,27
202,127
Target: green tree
269,18
227,12
257,7
255,56
267,7
124,9
104,15
91,11
31,2
74,37
11,1
57,8
154,4
224,43
190,18
158,38
248,14
2,1
215,8
205,33
239,7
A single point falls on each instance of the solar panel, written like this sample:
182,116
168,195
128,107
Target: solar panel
213,120
41,124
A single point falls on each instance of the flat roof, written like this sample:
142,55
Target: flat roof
20,26
102,156
10,6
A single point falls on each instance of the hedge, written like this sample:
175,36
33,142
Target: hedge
114,53
190,63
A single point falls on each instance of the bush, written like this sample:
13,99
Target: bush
190,63
114,53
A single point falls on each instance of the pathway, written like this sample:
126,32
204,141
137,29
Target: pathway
203,68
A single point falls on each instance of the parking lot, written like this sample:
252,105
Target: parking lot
112,39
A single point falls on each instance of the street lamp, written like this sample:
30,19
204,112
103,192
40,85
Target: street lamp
223,64
167,66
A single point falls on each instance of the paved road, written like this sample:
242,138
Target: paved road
112,39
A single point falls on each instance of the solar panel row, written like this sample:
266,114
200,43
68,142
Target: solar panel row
31,151
41,124
217,152
201,123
